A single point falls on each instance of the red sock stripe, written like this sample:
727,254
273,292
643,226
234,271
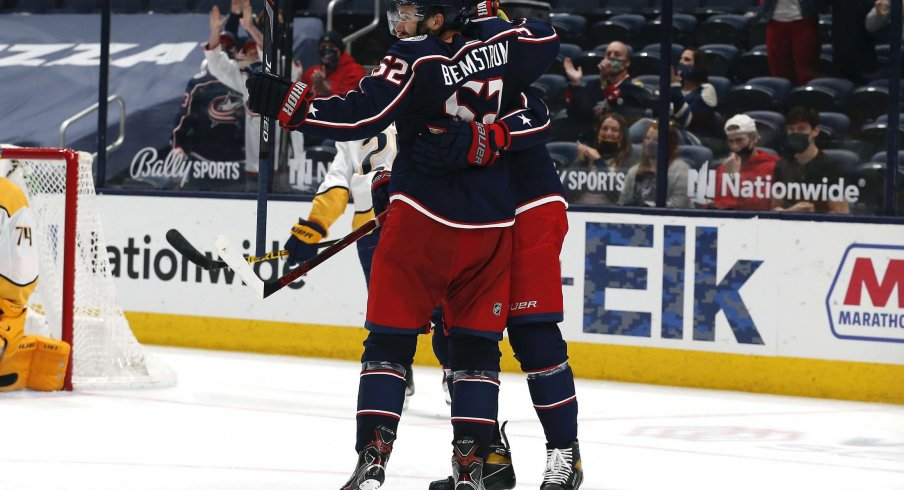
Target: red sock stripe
380,412
556,404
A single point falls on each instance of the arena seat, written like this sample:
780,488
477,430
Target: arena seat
589,61
696,156
654,49
678,6
32,6
771,127
637,130
726,6
570,27
645,63
724,29
845,160
833,128
872,193
563,153
79,6
615,7
761,93
751,64
623,27
722,86
867,103
566,50
720,58
552,86
823,94
683,28
592,10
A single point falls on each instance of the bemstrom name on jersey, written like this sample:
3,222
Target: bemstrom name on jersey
482,58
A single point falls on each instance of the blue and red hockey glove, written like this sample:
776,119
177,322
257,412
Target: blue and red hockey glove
456,145
379,191
277,97
302,244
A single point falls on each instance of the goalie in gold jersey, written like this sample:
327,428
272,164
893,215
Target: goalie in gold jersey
26,361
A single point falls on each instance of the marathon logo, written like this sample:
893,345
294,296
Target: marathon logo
866,300
298,89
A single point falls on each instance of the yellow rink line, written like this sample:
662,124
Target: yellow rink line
760,374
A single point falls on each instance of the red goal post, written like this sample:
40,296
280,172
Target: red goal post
75,299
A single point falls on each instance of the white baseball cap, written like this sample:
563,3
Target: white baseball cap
740,124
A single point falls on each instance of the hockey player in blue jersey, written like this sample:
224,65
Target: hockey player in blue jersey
446,239
536,295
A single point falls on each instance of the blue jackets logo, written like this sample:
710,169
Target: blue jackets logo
711,294
866,299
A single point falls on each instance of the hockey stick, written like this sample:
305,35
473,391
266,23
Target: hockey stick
179,242
262,289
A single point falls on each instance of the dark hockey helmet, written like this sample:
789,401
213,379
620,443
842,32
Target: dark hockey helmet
454,12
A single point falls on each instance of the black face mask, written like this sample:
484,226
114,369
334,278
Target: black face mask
745,152
607,148
797,143
329,58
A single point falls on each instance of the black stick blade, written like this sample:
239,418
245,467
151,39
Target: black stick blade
178,242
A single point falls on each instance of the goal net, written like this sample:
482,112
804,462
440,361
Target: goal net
75,299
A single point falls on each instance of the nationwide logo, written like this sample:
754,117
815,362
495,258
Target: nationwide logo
702,189
866,299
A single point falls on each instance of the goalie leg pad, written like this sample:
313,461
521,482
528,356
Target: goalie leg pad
48,364
16,362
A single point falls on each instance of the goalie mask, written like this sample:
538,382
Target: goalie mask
401,11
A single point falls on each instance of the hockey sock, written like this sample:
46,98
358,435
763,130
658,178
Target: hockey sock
544,358
381,388
475,402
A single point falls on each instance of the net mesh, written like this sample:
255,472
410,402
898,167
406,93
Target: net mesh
106,353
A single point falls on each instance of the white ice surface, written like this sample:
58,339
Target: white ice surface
243,421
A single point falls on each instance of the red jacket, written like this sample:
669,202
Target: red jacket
346,76
756,170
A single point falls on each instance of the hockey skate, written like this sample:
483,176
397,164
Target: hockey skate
467,468
370,472
563,469
498,472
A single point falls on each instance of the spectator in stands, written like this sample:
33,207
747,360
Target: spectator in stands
640,182
878,17
742,177
598,172
792,38
233,74
805,164
337,72
615,91
694,99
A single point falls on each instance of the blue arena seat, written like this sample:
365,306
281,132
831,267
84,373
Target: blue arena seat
762,93
566,50
845,160
823,94
720,58
683,28
626,6
872,193
563,153
771,127
724,29
751,64
726,6
637,130
551,89
79,6
570,27
696,156
867,103
645,63
722,86
33,6
654,49
833,128
882,157
589,61
623,27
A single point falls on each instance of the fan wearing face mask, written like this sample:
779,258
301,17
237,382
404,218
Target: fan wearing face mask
609,157
805,163
337,72
615,90
693,98
747,166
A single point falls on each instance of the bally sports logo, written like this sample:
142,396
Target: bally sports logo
866,300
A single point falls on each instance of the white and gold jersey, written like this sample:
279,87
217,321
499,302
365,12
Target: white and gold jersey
18,248
349,177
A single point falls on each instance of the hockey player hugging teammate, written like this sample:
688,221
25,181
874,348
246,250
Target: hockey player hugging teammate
26,361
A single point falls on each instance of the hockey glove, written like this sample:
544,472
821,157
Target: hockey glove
302,245
481,9
273,96
456,145
379,191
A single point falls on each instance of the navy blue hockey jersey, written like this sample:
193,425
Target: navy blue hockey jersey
422,79
210,123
